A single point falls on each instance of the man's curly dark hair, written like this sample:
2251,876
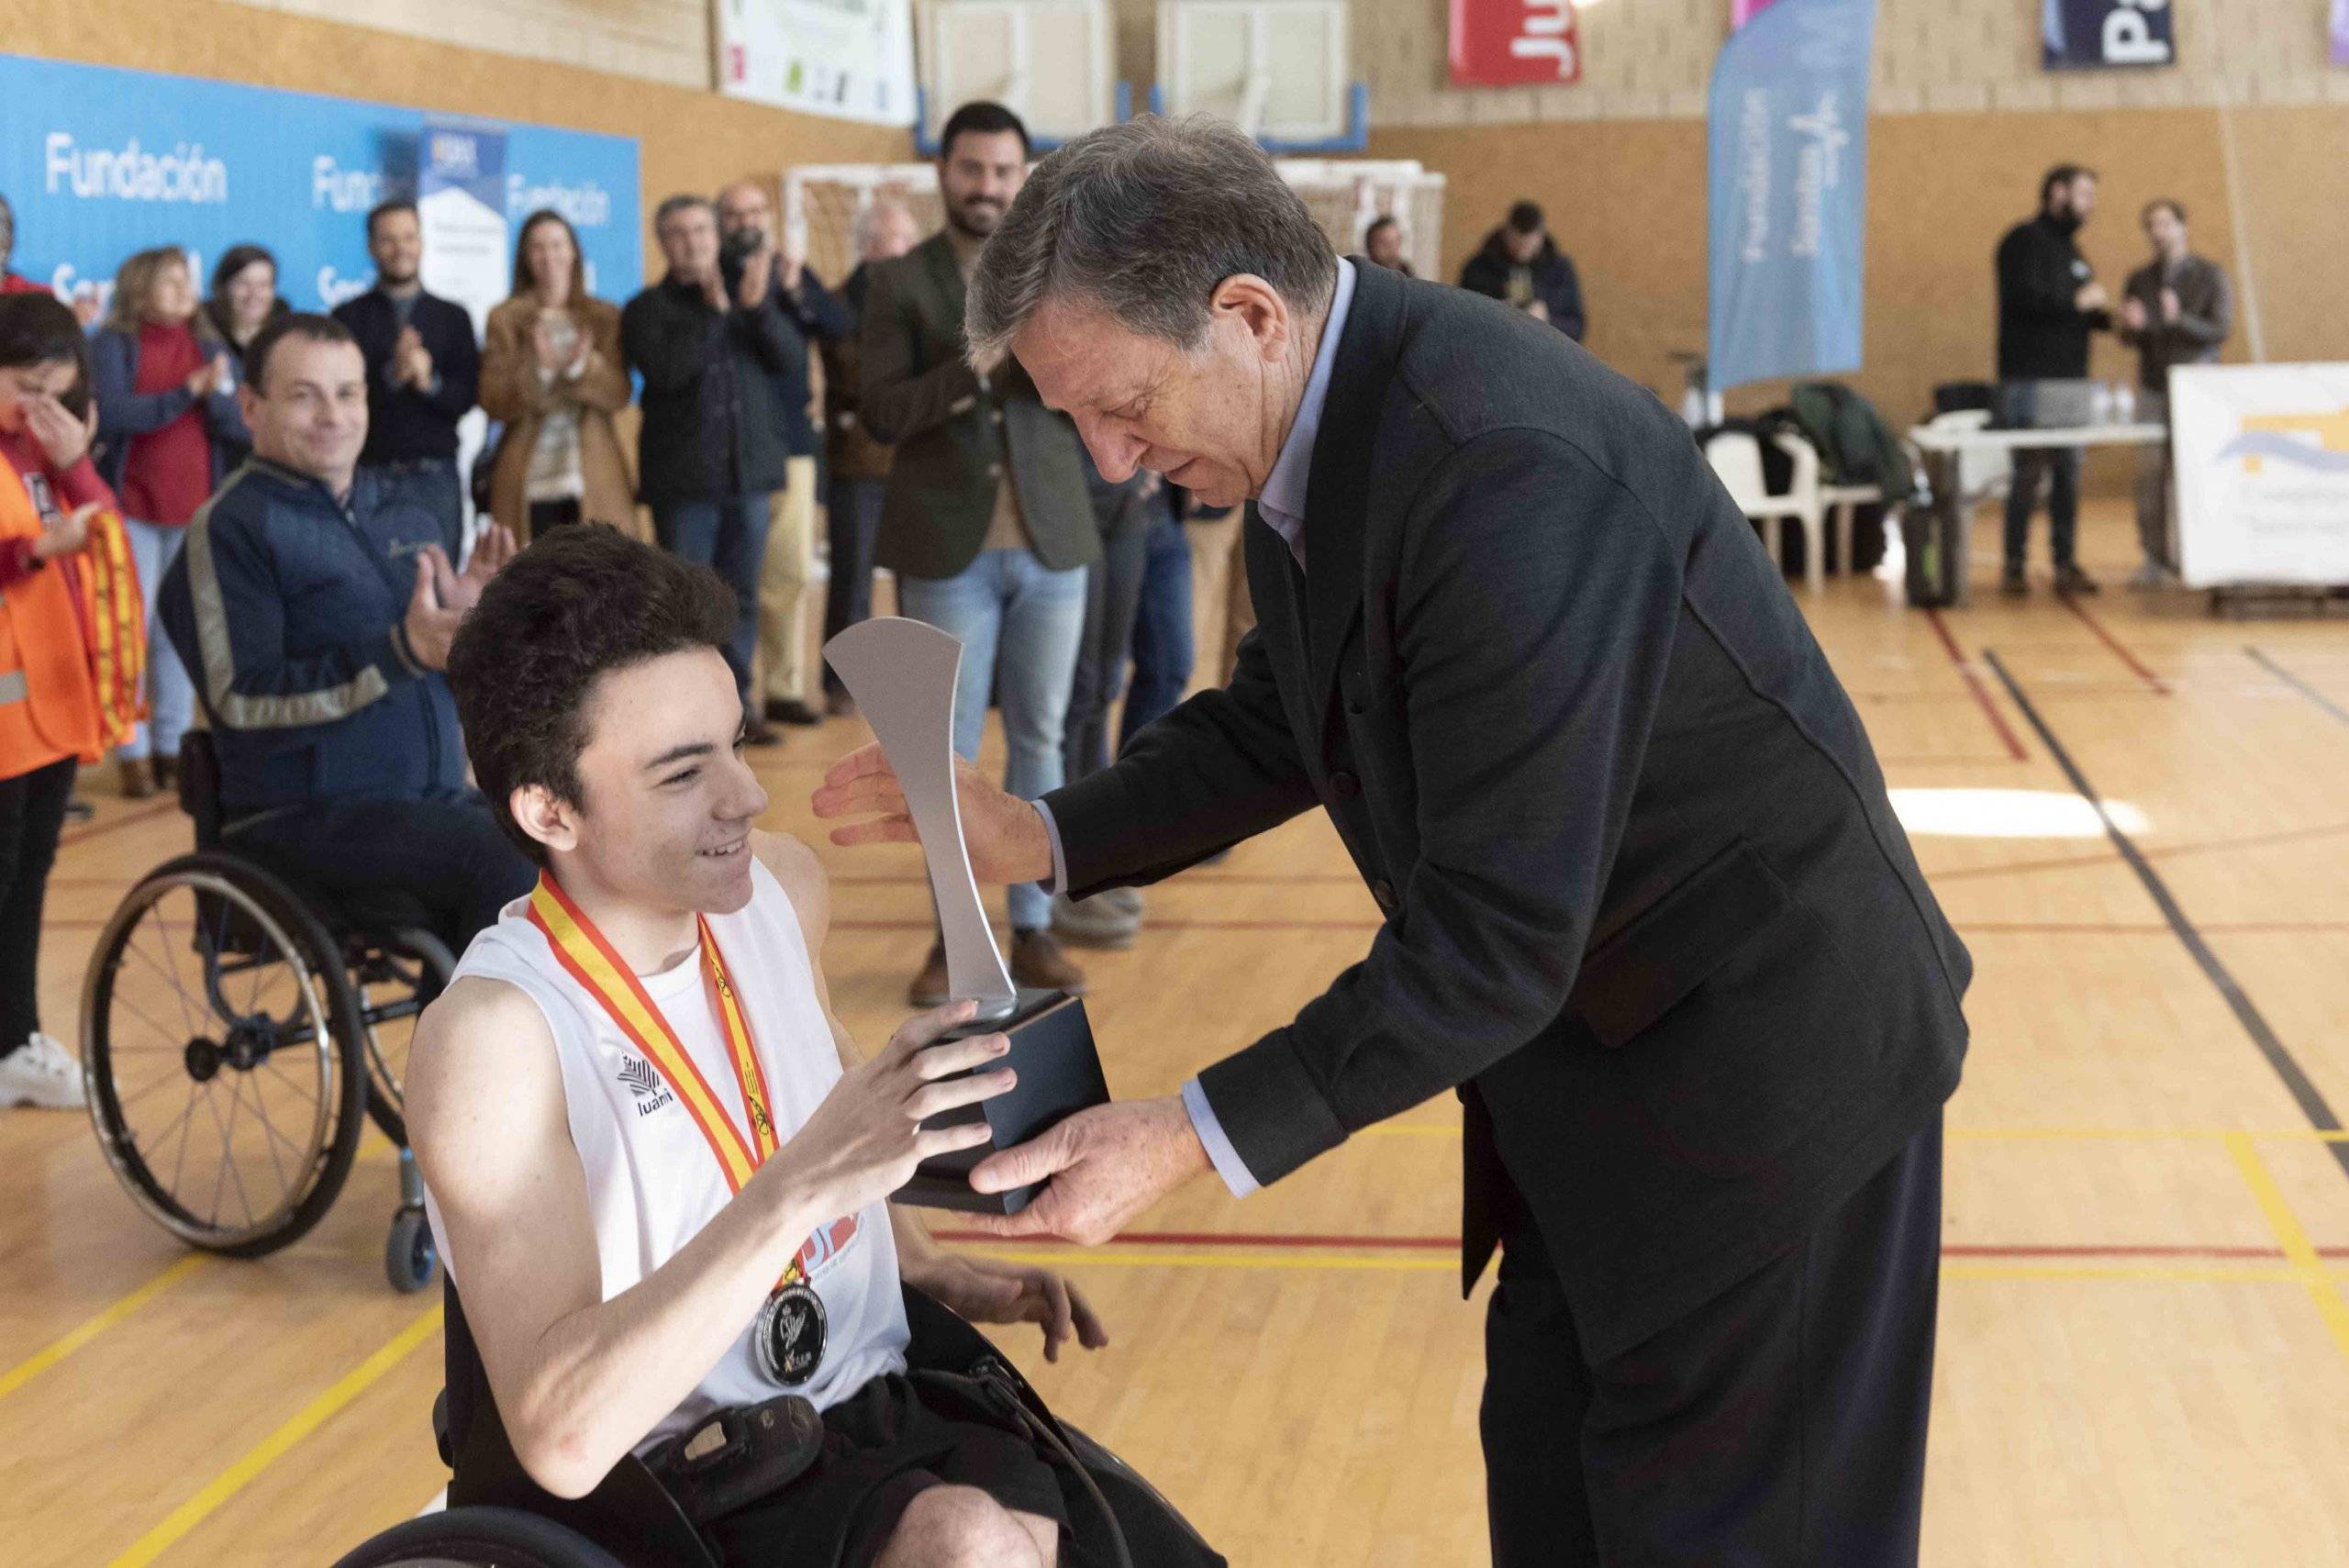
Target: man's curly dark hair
580,601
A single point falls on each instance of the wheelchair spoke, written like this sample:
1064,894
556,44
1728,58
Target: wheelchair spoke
221,1181
261,1110
171,978
179,1125
235,1169
289,1083
144,1017
124,1102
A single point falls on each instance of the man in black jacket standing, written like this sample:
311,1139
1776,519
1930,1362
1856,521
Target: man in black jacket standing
2049,302
1648,909
1522,266
711,453
745,223
423,372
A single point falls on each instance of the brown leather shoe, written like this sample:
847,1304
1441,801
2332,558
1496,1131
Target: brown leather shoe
137,779
1038,964
930,987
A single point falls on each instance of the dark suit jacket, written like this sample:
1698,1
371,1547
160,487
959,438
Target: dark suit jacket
920,396
1647,904
402,423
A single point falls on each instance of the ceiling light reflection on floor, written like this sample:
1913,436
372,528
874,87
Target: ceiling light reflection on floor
2009,814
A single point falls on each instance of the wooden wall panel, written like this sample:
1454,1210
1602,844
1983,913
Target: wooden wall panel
1626,197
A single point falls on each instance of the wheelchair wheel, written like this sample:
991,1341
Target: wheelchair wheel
222,1045
397,979
411,1260
478,1538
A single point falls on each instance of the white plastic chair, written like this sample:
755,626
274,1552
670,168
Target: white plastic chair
1736,458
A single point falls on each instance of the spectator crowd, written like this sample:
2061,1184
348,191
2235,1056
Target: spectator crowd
275,499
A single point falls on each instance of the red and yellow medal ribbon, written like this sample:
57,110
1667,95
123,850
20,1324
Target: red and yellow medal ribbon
590,960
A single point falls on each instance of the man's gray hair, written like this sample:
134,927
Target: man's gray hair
675,204
1142,221
868,218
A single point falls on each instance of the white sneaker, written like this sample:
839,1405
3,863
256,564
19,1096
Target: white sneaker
42,1073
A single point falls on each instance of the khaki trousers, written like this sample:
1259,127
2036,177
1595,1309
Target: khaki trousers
782,586
1221,611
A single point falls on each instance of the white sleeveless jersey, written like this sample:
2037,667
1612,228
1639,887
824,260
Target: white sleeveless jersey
653,1179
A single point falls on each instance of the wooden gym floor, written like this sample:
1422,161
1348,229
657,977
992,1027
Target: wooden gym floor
2144,1332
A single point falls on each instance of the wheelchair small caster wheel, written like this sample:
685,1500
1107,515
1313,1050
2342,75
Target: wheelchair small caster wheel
410,1258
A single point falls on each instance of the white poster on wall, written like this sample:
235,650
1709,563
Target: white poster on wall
848,58
460,206
2263,473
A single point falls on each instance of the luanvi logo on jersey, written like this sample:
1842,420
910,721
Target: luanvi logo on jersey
645,1085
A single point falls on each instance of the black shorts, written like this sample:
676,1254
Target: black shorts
884,1446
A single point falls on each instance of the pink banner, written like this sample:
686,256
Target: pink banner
1744,11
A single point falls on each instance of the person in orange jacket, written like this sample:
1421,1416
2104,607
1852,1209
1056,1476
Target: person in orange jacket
71,646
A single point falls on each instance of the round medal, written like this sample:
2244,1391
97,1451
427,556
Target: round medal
790,1335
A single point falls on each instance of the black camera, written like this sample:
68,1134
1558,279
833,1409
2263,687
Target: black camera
733,250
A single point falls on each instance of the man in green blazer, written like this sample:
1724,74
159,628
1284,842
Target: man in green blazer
987,523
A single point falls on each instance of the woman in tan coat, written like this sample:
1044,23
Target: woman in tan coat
551,371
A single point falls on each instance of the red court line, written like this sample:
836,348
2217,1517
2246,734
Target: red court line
99,829
1185,879
2152,928
1448,1243
1150,923
1939,759
2071,603
2159,852
1973,683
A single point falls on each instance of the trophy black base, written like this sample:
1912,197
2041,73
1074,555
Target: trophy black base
1059,1074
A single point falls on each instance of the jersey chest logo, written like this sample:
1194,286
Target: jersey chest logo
645,1085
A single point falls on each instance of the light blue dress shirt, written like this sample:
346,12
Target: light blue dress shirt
1282,505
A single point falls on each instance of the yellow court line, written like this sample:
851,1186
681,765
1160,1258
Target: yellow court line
2307,1266
73,1338
1973,1134
2182,1134
271,1448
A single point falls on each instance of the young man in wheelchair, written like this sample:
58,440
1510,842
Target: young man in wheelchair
658,1167
316,612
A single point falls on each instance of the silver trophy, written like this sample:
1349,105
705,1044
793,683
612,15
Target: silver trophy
902,674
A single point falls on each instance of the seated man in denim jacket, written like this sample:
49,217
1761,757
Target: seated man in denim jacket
315,613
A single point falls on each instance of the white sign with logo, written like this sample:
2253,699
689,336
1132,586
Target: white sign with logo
848,59
2263,474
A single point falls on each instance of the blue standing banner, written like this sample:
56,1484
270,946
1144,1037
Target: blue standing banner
99,161
1787,181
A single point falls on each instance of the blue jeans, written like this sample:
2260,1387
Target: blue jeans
729,536
853,523
1019,623
1161,631
171,696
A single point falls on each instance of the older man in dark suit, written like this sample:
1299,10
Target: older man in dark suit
1648,908
987,522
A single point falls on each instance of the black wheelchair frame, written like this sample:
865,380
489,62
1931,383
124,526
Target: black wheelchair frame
320,981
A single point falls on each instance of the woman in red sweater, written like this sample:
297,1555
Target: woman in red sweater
164,388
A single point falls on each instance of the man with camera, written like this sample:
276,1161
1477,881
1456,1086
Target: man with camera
709,339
